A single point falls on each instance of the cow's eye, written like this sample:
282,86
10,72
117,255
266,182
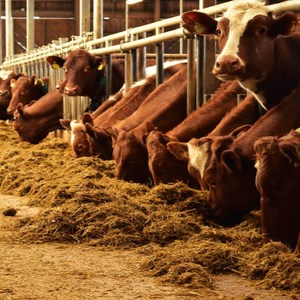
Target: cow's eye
261,30
87,69
218,32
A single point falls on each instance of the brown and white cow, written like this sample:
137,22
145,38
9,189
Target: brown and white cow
5,93
93,136
25,89
34,121
257,48
230,174
197,153
163,165
85,75
164,108
277,179
261,52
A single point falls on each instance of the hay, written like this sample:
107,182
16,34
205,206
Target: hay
81,201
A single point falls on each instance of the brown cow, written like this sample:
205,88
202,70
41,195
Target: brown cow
5,93
277,179
34,121
85,75
163,165
258,49
254,46
230,174
24,90
246,113
95,136
164,108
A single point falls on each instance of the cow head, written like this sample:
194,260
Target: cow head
130,153
24,90
163,165
80,141
84,73
277,179
246,35
27,128
5,93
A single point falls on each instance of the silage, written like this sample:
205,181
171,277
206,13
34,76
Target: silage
81,201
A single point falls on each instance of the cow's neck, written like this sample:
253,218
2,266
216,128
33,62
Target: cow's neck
282,78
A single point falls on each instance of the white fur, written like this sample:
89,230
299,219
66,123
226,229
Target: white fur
198,156
239,15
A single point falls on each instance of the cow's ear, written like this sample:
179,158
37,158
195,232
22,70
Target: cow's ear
292,152
199,23
55,62
20,109
99,63
34,80
240,130
87,118
231,161
12,82
285,24
179,150
65,123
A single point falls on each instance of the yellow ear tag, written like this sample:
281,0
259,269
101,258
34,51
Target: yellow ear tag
293,26
36,81
55,66
298,130
199,28
100,67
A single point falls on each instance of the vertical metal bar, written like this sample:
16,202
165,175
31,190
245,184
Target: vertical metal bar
84,16
200,70
9,32
108,75
30,24
142,62
159,60
98,19
134,60
180,13
191,74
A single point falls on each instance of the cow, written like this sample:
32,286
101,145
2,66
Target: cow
163,165
277,180
85,76
35,120
261,52
5,93
230,174
164,108
238,119
257,48
93,136
25,89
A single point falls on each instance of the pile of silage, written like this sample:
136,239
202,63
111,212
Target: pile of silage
81,201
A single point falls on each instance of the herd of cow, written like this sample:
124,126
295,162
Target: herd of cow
246,155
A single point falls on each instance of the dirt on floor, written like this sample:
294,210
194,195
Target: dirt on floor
79,271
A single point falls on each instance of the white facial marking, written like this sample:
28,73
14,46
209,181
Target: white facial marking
257,165
239,15
198,156
75,126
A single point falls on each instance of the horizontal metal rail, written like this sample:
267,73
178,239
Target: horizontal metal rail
61,47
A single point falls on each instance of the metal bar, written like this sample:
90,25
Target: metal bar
29,25
9,33
191,74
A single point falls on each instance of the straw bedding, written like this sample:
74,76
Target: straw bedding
171,225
